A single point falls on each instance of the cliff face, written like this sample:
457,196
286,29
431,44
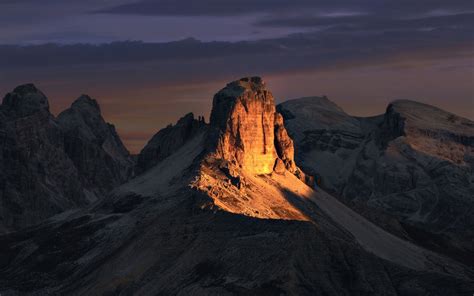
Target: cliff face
168,140
251,132
408,170
244,112
201,222
49,165
37,178
94,146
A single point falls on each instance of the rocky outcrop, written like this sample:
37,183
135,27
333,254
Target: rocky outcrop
25,100
168,140
37,178
48,164
191,226
397,169
251,134
244,112
94,146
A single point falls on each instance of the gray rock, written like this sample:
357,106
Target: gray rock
50,165
37,178
25,100
173,230
409,170
168,140
94,146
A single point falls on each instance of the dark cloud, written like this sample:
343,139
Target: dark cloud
144,85
231,7
459,21
355,43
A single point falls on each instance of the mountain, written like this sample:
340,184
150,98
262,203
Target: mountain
37,178
44,161
94,146
228,212
409,170
168,140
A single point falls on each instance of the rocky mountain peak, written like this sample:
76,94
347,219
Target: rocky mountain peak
25,100
94,146
85,102
244,112
251,134
168,140
186,119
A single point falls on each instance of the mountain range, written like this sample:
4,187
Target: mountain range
298,198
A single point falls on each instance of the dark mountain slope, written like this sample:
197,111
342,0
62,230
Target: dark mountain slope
50,165
94,146
206,221
409,170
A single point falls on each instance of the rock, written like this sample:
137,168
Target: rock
244,113
284,144
251,132
397,169
195,224
37,178
94,146
25,100
168,140
280,167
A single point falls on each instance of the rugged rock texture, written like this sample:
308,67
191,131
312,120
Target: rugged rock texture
251,133
409,170
37,178
49,165
168,140
94,146
244,111
326,138
191,226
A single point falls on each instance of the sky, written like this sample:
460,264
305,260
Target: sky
149,62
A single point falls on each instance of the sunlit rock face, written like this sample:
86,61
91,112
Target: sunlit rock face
251,134
244,112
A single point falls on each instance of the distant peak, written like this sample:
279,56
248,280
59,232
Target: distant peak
310,103
86,102
25,100
186,118
405,102
411,106
26,89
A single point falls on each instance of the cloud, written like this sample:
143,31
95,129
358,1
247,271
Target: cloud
99,21
146,85
460,21
346,42
241,7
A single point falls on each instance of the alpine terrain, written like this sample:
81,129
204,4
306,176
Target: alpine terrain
294,199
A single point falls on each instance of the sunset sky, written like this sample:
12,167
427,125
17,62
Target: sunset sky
150,62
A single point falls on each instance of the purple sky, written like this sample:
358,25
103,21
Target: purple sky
150,62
